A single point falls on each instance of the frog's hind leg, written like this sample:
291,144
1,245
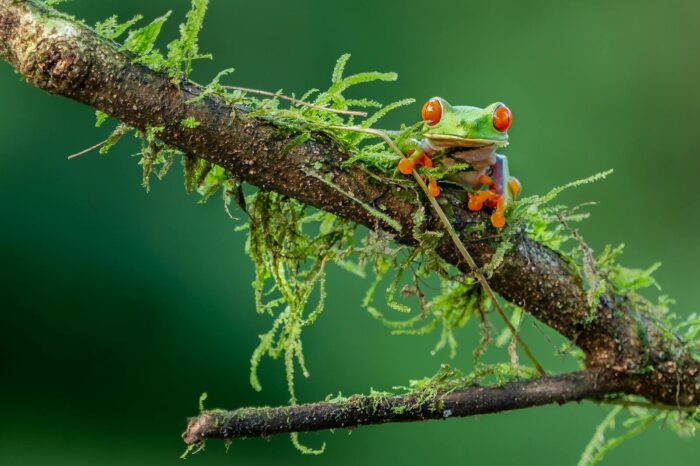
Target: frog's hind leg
500,174
504,184
484,195
506,189
515,187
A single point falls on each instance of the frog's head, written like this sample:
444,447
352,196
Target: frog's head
465,127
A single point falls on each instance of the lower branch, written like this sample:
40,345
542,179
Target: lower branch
361,410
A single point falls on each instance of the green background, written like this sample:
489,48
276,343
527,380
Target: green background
120,307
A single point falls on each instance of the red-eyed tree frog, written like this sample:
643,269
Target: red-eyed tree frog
464,135
461,134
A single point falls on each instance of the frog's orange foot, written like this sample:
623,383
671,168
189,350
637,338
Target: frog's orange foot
515,186
406,166
424,161
413,160
486,180
492,200
498,217
433,188
478,199
474,204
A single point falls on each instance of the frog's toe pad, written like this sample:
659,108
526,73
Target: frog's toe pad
406,166
475,203
498,219
433,188
515,186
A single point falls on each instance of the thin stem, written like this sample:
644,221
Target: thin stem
475,270
458,242
296,101
377,132
647,405
89,149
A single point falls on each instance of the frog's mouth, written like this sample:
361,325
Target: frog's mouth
446,141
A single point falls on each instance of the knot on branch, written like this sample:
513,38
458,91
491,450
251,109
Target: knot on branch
196,429
8,27
674,382
47,50
58,66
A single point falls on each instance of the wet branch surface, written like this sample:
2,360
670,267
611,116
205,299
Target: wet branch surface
621,345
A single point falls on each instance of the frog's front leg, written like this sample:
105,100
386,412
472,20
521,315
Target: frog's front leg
416,155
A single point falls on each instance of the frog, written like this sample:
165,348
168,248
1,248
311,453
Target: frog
471,135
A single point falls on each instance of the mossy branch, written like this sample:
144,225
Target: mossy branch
360,410
63,57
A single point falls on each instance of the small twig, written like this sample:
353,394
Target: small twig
296,101
89,149
480,276
647,405
484,238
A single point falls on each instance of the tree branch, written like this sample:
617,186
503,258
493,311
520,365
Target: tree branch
360,410
66,58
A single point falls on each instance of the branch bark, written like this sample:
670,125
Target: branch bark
360,410
63,57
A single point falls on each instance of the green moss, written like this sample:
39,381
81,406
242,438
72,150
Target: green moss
599,445
100,117
120,131
141,43
193,449
399,409
378,398
53,3
290,248
112,29
183,51
190,122
202,398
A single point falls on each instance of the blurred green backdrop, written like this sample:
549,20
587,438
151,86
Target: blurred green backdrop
120,307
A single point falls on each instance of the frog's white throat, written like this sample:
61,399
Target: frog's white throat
436,142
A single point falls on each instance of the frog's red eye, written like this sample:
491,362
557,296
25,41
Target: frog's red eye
432,111
502,118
